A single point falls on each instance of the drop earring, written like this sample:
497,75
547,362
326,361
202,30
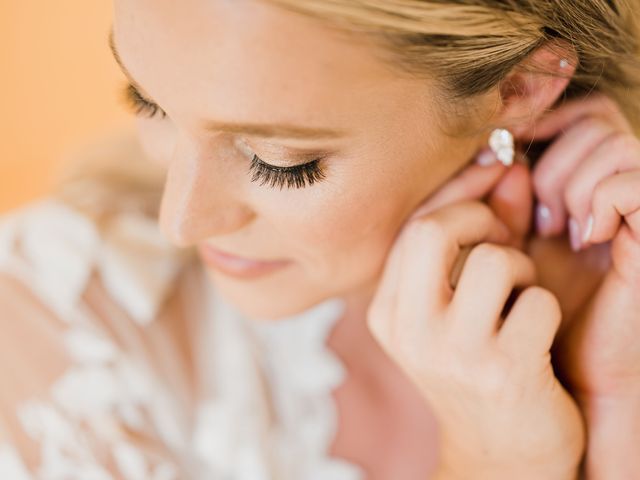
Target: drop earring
502,145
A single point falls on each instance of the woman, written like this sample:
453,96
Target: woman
305,310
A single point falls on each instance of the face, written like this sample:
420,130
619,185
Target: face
228,75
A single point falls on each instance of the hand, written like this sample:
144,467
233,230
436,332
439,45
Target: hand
591,175
488,378
589,179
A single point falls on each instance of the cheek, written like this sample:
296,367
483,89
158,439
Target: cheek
357,238
157,138
341,229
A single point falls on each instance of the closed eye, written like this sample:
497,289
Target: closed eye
297,176
139,104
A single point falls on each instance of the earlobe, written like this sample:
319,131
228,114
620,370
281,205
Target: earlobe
535,85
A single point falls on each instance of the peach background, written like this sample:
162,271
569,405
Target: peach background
59,89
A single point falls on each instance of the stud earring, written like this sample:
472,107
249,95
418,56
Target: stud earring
564,63
502,144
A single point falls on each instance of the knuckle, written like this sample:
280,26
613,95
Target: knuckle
572,194
430,228
477,213
545,299
526,261
601,195
622,142
494,257
469,207
594,122
481,209
544,178
594,125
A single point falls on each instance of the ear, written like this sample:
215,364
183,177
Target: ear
535,85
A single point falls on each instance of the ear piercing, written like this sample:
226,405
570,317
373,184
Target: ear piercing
502,145
564,63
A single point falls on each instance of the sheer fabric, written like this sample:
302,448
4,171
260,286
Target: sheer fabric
118,360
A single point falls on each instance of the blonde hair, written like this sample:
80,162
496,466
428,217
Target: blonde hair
470,46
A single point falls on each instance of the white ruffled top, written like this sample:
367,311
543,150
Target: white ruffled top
156,377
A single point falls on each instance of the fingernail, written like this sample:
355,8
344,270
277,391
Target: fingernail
574,234
543,218
486,157
588,229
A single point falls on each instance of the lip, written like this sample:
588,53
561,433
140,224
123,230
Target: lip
239,267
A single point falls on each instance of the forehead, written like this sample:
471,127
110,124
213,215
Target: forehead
247,60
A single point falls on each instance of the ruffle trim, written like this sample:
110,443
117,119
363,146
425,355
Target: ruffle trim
58,248
54,249
286,365
303,372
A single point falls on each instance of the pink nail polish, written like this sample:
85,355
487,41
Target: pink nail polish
588,229
574,234
543,218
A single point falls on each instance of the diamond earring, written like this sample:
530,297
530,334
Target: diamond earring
502,144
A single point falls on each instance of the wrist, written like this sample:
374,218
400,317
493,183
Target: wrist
613,422
455,464
504,472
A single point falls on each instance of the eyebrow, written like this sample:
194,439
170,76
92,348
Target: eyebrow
253,129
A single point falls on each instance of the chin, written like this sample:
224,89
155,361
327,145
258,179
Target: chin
264,301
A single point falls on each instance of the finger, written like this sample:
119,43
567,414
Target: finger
626,254
489,275
431,246
614,198
531,325
472,183
557,165
618,153
382,308
560,119
512,200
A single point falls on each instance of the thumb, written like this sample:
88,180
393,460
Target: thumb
512,200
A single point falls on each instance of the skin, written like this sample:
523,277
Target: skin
336,232
595,353
272,66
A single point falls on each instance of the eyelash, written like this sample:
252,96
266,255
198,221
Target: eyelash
298,176
138,104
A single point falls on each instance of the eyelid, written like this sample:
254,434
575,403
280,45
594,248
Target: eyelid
290,157
141,94
139,102
302,156
298,176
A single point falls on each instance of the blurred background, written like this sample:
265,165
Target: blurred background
59,90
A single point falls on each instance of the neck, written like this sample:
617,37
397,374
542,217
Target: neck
352,341
368,365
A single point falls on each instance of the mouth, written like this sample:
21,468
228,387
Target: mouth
239,267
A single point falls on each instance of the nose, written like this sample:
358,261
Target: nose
202,195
